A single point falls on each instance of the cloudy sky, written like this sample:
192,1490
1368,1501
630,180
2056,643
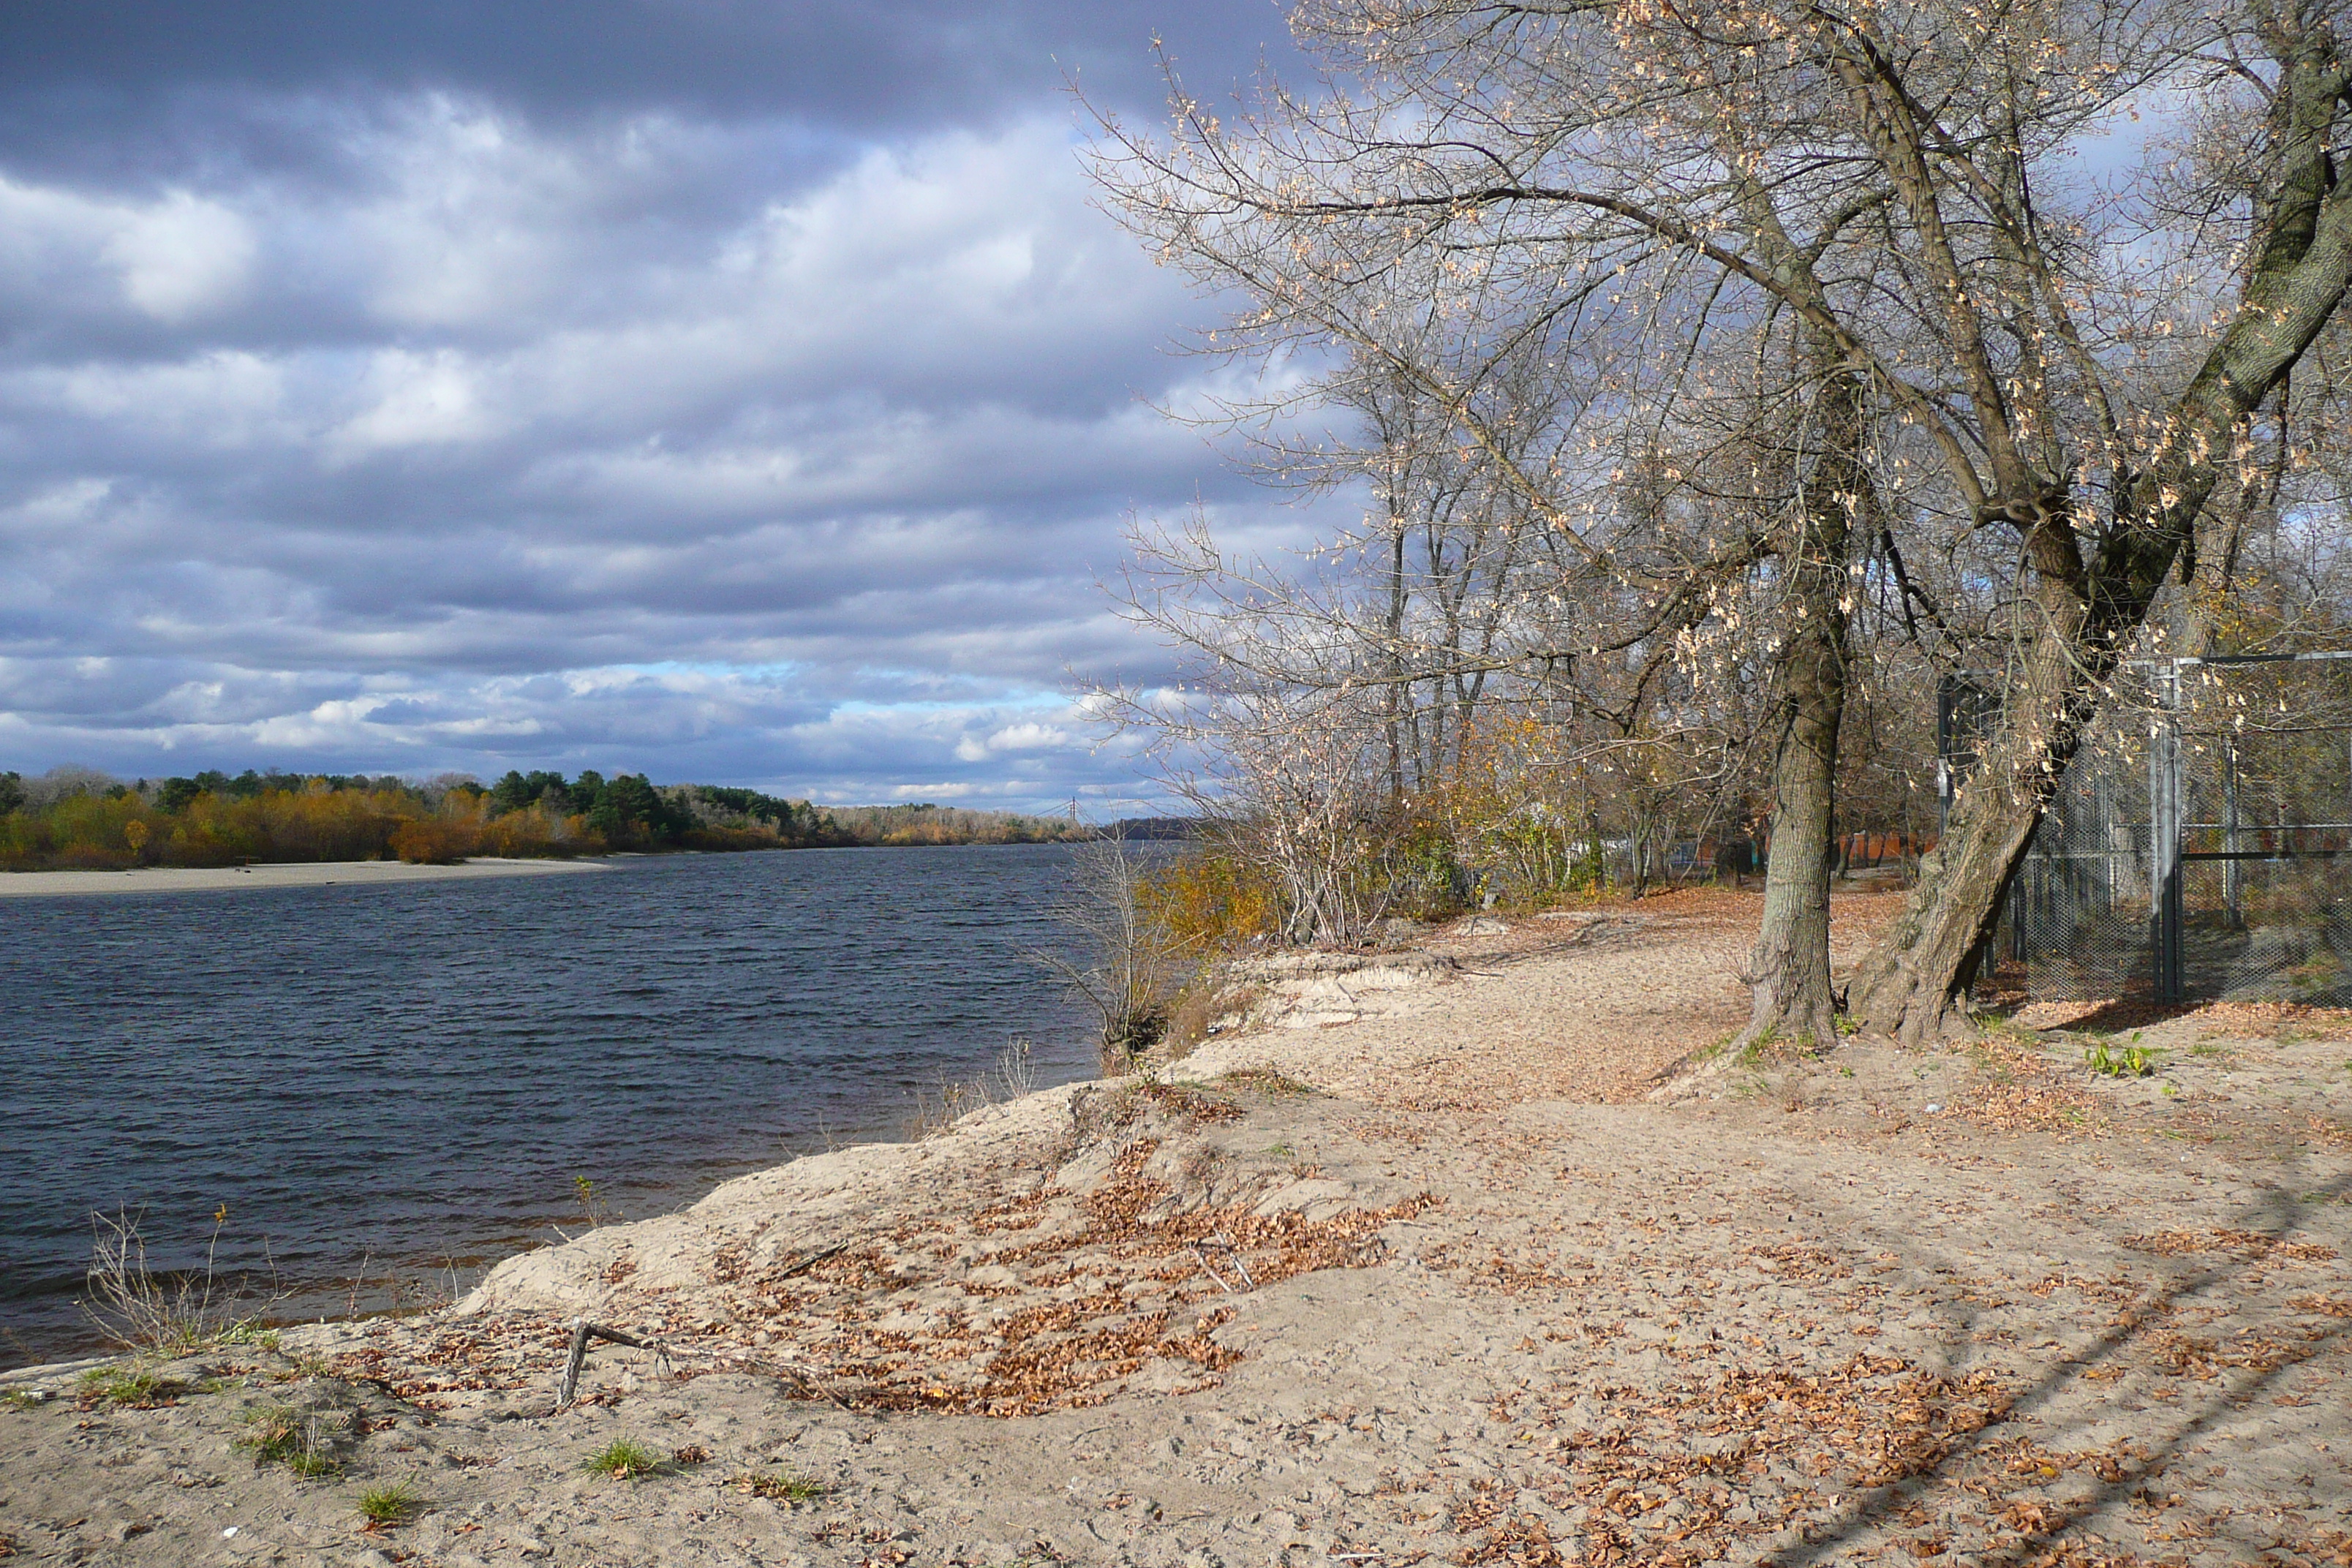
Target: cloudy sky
734,389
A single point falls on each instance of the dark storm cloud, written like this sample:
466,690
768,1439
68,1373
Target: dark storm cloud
174,74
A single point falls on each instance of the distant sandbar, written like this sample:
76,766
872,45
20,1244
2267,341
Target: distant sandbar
307,874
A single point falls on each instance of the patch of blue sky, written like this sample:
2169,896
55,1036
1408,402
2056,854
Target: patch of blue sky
1015,700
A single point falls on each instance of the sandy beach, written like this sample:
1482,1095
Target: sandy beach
1407,1264
248,878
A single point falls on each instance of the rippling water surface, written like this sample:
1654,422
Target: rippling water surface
382,1085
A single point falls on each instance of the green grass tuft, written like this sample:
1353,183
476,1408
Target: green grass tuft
1266,1081
137,1386
282,1435
386,1506
622,1459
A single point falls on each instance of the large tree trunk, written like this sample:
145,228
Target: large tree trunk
2089,610
1913,985
1789,971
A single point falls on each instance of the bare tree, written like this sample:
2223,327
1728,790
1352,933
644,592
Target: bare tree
2076,365
1789,972
1606,597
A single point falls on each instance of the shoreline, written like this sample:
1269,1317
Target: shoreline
1402,1264
274,875
323,873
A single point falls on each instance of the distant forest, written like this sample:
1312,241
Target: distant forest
77,818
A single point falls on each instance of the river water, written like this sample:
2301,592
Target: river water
384,1090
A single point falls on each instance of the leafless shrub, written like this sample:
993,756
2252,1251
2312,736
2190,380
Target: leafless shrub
169,1313
1128,966
935,1109
1017,1075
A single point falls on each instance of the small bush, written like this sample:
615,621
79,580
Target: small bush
162,1314
1188,1022
934,1111
1198,1009
1124,961
1127,1037
2129,1061
1015,1073
592,1204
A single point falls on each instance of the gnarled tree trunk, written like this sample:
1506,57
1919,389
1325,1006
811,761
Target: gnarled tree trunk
1789,971
1913,983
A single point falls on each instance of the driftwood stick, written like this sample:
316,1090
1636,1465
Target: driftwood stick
808,1380
802,1265
583,1331
1203,1258
570,1383
805,1379
1234,1253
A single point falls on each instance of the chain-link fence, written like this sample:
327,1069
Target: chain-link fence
2080,915
2200,846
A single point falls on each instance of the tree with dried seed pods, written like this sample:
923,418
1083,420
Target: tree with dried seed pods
2069,367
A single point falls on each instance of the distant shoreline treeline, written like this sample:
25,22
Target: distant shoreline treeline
79,819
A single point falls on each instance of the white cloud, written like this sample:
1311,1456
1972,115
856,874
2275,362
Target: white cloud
513,446
226,399
68,505
182,256
471,226
173,258
414,400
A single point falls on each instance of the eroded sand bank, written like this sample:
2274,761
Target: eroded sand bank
311,874
1401,1269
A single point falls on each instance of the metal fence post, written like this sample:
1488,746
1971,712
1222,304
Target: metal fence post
2019,913
2164,812
2230,833
2105,788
